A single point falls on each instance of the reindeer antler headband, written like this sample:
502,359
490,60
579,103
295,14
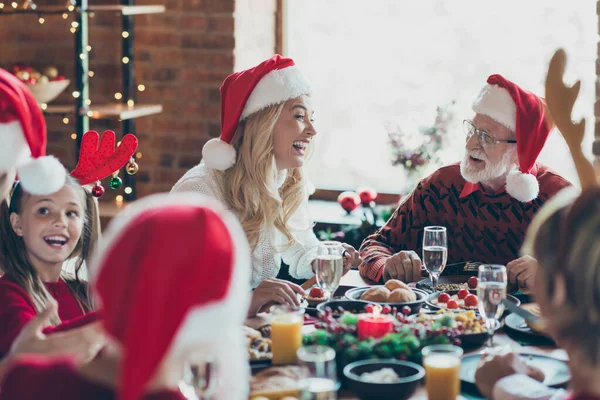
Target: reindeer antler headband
560,100
98,159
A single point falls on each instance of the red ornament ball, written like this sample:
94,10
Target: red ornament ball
97,191
366,194
349,201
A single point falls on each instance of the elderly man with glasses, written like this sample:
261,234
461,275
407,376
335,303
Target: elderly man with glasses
486,202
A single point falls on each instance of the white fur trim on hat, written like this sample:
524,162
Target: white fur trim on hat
523,187
14,149
218,154
276,87
42,175
496,102
224,335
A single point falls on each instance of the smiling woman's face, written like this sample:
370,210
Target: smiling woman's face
293,132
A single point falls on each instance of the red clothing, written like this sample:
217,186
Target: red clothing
37,378
16,309
481,227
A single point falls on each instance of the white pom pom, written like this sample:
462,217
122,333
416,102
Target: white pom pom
523,187
219,155
43,175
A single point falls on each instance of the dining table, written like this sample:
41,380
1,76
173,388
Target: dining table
501,338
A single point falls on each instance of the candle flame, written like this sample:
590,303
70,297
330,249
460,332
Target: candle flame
377,311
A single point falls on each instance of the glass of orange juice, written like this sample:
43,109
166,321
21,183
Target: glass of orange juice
286,333
442,368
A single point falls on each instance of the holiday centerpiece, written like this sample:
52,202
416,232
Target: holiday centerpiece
386,332
45,84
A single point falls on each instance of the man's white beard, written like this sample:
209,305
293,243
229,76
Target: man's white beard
491,171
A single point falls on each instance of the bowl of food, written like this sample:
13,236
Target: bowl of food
394,293
459,300
383,379
46,92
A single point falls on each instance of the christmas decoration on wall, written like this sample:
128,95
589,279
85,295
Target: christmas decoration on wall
414,151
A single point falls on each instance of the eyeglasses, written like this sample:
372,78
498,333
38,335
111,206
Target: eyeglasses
485,138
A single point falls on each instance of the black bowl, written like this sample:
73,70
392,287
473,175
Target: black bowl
353,306
410,374
415,306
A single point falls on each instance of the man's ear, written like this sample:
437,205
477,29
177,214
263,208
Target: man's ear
16,223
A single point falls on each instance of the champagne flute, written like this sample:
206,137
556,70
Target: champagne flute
330,266
491,290
435,252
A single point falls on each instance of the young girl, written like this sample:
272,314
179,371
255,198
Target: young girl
38,234
255,168
565,239
142,260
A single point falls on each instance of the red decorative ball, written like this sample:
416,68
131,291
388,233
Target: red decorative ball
367,195
349,201
97,191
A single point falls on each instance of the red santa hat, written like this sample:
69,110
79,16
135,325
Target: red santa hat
525,114
23,139
172,273
271,82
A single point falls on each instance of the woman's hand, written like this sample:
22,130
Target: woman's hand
274,291
351,258
83,343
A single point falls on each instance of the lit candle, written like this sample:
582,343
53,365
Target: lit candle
375,325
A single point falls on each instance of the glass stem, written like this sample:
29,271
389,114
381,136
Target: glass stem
434,281
491,324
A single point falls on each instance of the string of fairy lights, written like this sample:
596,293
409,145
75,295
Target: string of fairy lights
29,7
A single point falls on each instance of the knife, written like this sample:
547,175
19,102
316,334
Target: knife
512,307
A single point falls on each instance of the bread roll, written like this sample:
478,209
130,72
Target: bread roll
394,284
377,294
402,296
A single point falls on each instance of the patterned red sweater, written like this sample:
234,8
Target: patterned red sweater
481,227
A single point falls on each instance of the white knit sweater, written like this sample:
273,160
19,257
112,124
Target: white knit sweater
266,259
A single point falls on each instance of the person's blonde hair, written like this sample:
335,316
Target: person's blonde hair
16,264
565,240
248,187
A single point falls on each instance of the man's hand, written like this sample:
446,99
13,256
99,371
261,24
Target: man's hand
522,272
404,266
492,368
274,291
83,342
351,258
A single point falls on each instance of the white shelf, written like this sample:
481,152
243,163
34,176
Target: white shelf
108,111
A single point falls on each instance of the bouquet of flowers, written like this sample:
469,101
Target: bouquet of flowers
429,143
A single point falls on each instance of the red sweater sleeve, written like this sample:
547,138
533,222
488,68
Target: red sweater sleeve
16,309
395,236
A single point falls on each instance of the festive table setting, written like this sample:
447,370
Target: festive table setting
354,340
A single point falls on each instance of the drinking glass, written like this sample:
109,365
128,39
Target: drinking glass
330,266
491,290
442,370
198,381
286,333
435,252
319,374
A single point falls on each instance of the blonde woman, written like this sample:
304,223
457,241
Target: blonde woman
255,168
565,239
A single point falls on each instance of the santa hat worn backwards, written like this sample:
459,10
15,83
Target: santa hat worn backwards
172,273
23,139
271,82
525,114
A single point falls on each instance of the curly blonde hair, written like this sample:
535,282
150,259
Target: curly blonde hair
565,240
249,186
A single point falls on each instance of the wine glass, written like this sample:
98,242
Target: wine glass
329,266
199,380
491,290
435,252
318,379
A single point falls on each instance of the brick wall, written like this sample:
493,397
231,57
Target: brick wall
181,57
